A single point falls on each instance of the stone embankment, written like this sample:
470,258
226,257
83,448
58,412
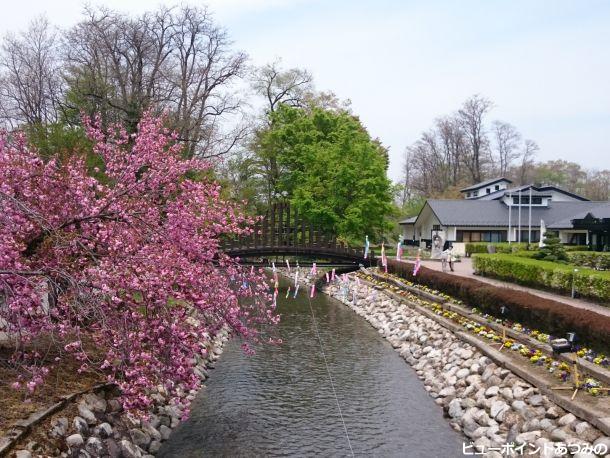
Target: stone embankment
490,405
99,427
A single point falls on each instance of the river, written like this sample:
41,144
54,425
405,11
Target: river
280,402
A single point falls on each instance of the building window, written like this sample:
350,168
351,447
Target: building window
497,187
475,193
468,194
525,235
481,236
488,190
525,200
436,227
577,239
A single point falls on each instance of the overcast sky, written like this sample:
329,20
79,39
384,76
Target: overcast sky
545,64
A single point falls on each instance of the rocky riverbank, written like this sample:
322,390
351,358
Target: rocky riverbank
490,405
95,424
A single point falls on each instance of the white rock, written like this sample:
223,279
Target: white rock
80,425
87,414
482,443
129,450
518,405
566,419
581,427
507,394
59,427
492,391
455,408
140,438
547,425
94,402
497,408
479,432
154,447
74,440
518,392
103,430
529,437
94,446
536,400
552,412
165,432
462,373
464,353
23,454
447,391
559,435
603,441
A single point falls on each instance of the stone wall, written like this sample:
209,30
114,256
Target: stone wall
490,405
99,426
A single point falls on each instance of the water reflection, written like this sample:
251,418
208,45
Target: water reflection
280,402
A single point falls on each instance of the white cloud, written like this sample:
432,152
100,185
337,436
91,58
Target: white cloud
545,64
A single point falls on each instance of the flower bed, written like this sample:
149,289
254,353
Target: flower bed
544,274
551,317
588,354
560,369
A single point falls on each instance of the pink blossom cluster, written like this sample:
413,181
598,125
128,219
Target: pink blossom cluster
130,261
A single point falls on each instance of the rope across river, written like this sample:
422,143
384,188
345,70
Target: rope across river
330,377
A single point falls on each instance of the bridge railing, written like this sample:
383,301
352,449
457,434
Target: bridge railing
283,228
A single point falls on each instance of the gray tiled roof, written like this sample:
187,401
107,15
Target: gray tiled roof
602,210
485,183
540,191
491,196
495,212
410,220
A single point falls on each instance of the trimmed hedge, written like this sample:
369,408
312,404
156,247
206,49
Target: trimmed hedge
504,247
575,247
544,274
545,315
481,247
593,259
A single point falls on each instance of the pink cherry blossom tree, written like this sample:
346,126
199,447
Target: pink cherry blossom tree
130,262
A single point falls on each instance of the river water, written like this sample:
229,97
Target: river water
280,402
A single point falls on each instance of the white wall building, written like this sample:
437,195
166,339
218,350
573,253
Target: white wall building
493,212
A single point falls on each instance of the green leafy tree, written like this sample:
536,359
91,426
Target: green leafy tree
552,250
330,168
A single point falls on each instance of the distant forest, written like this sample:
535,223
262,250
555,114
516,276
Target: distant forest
464,148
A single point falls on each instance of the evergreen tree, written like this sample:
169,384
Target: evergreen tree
552,250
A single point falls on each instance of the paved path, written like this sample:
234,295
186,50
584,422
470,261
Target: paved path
464,269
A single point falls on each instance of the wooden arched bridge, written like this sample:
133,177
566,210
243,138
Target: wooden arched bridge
282,233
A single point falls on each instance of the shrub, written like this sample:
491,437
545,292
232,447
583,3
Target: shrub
481,247
576,247
549,316
514,247
544,274
594,259
552,250
525,254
